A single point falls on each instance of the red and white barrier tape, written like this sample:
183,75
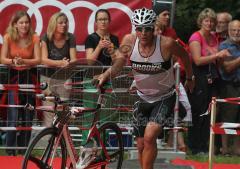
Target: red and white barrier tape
175,128
46,108
35,88
228,125
226,100
235,100
122,109
51,108
21,87
218,130
11,106
41,128
22,90
109,90
30,128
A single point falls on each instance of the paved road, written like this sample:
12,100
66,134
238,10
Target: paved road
159,164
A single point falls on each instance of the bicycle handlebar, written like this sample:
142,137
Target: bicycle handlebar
48,98
57,99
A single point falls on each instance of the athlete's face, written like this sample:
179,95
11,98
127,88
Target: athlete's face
145,34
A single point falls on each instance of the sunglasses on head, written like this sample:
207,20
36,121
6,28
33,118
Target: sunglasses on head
145,28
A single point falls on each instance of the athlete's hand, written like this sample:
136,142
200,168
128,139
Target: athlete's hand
99,80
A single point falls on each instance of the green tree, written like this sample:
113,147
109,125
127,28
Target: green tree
187,12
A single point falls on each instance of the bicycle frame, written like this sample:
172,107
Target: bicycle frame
63,130
90,156
74,157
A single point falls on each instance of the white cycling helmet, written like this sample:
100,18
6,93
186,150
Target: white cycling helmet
143,17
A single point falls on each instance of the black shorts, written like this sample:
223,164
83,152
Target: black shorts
160,112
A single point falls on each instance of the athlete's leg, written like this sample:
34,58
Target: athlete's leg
140,147
150,146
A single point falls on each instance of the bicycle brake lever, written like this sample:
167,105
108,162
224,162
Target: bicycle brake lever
48,98
41,96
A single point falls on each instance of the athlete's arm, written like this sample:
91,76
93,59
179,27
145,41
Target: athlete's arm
121,56
179,51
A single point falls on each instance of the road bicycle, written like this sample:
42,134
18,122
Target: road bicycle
53,147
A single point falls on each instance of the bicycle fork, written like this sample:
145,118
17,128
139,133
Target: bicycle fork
94,132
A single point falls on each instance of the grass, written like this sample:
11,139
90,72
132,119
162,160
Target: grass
218,159
2,152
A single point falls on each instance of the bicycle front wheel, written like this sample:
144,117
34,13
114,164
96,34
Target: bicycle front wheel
111,136
43,153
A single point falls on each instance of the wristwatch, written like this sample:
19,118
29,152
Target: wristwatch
191,78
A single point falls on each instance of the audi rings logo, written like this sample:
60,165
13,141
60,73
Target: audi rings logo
73,10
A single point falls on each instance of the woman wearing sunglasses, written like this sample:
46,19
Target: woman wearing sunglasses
152,66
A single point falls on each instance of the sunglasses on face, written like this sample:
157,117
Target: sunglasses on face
145,28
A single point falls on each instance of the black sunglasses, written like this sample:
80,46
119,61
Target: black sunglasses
145,28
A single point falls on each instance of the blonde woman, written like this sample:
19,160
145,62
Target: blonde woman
58,50
58,45
21,50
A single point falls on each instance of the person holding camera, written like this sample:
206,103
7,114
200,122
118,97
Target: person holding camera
101,44
204,52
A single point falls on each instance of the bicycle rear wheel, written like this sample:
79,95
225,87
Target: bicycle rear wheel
40,153
111,136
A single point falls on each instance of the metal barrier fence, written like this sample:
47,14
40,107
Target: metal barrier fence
18,126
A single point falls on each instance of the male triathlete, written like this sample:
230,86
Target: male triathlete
152,65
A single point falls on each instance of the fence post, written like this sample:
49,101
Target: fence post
212,136
176,107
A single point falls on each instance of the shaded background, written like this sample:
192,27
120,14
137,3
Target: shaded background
187,12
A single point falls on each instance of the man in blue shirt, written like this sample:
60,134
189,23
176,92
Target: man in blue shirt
230,73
